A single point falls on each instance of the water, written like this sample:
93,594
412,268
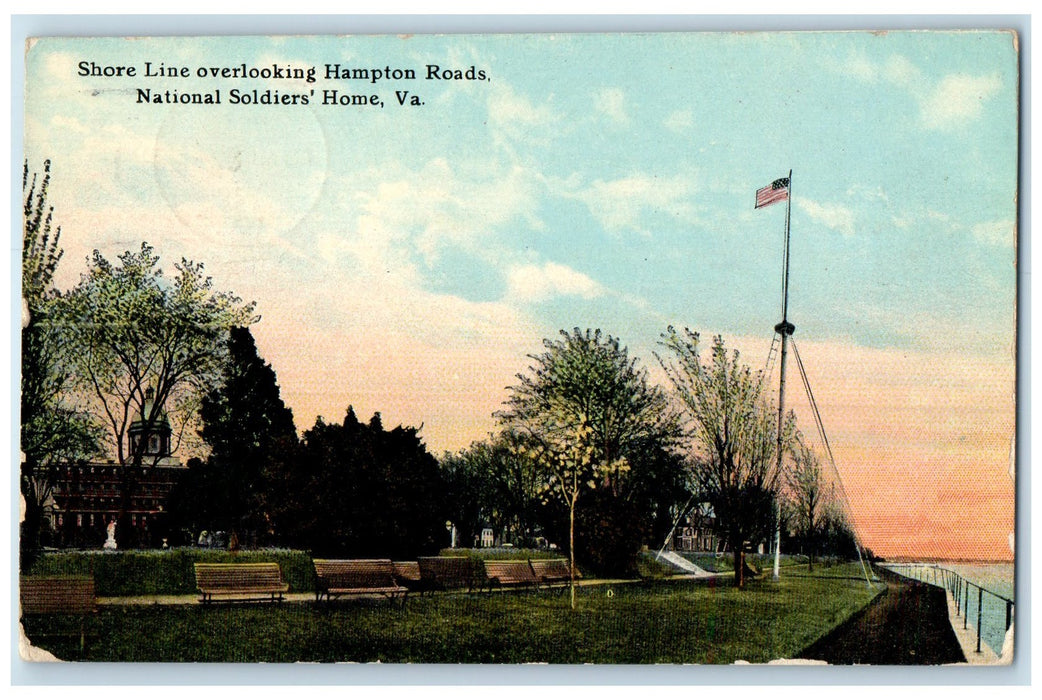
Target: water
994,578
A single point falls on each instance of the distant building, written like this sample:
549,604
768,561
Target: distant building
487,537
695,532
87,495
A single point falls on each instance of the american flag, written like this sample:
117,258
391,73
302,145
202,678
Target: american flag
777,191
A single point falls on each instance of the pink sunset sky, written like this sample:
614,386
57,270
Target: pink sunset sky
407,260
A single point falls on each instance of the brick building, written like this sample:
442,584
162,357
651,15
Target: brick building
695,532
87,495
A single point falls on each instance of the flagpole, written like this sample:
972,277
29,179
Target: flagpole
786,329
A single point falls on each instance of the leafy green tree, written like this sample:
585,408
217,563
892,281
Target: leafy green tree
53,430
467,493
244,421
357,490
641,511
584,409
494,481
147,346
734,431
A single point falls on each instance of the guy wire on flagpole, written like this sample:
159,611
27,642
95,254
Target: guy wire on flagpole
785,329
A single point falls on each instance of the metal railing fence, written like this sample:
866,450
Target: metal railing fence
961,590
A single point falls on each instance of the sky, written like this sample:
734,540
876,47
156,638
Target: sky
407,258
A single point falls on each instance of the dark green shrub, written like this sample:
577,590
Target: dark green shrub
166,572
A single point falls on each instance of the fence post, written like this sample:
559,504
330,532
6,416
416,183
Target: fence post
966,607
980,599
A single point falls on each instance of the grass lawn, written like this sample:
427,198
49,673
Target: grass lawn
654,622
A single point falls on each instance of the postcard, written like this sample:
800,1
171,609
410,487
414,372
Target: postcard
667,348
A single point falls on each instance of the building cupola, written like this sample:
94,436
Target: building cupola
156,437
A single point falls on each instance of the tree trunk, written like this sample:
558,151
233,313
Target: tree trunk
126,536
739,568
571,551
30,535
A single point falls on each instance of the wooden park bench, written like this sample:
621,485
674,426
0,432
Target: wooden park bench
447,573
240,582
57,596
407,573
551,571
337,577
504,573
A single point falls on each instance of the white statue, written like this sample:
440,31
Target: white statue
110,542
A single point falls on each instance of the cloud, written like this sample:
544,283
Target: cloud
66,123
957,100
622,204
900,71
870,194
462,205
997,233
835,216
537,283
517,118
861,68
896,69
954,100
611,103
679,121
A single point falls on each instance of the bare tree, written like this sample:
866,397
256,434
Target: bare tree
734,431
807,493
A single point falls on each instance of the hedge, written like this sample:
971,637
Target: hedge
169,571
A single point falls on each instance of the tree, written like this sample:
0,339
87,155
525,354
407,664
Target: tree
357,490
244,420
806,490
734,432
467,492
584,408
146,347
656,488
837,535
53,430
494,481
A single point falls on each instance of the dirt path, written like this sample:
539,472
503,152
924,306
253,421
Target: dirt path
906,625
